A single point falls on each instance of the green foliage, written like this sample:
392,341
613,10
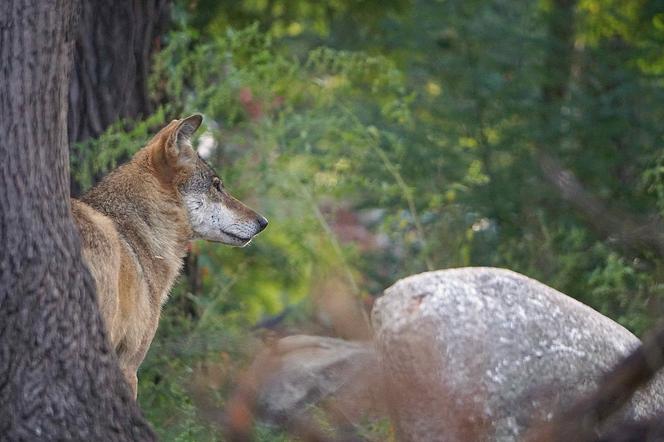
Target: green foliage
93,158
304,126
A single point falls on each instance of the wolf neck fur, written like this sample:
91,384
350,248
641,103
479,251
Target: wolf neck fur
148,218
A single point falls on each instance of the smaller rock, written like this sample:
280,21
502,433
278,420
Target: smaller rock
309,369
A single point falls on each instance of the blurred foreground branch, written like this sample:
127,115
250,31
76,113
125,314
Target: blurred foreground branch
588,417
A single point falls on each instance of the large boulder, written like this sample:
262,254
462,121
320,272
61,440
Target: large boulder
476,354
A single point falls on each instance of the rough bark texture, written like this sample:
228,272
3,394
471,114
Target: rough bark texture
58,376
114,48
486,354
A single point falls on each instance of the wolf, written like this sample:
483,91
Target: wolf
135,228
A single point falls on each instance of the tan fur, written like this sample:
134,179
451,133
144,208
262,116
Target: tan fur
135,228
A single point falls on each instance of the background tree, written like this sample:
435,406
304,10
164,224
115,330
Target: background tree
59,378
115,43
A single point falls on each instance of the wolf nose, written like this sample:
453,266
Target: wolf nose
262,223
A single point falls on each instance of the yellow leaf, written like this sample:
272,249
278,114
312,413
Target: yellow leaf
433,89
294,29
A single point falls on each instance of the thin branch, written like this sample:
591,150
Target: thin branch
338,251
407,192
633,232
408,196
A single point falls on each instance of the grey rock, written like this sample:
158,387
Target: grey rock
309,369
476,354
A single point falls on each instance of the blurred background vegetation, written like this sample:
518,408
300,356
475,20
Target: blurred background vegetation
386,138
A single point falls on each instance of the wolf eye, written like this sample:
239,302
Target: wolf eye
216,182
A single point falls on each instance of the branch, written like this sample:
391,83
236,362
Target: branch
585,419
633,232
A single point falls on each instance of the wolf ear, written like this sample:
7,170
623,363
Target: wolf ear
178,146
187,127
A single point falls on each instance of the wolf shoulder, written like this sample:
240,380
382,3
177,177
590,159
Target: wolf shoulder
102,254
97,231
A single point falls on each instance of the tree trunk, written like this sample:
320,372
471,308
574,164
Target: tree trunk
113,54
58,376
114,48
634,232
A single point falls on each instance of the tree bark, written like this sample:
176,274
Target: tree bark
58,376
114,47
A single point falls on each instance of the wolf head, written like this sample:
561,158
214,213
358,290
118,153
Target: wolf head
213,213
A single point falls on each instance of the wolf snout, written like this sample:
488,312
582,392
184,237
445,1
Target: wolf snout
262,223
